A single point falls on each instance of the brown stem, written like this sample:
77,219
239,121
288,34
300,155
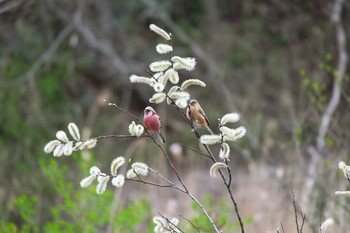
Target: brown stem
226,183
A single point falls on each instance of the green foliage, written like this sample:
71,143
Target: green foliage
135,213
222,213
78,210
26,208
314,90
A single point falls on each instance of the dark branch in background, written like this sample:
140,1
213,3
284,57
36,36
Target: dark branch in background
315,153
337,85
9,5
30,75
104,47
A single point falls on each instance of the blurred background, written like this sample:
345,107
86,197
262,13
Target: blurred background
274,62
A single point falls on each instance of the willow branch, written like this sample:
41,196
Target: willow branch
122,136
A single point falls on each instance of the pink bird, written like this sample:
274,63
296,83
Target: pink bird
152,122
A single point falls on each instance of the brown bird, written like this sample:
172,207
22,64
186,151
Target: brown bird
197,116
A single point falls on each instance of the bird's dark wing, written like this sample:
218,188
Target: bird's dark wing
205,116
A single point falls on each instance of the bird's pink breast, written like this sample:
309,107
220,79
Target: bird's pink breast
152,123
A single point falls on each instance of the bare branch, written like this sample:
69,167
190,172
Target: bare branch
195,150
192,224
150,183
9,5
296,209
122,136
337,85
103,47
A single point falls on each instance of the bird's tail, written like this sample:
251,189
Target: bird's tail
161,137
209,130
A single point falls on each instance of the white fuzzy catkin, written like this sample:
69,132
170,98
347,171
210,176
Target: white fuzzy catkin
172,89
345,168
139,130
159,66
118,181
166,76
74,131
175,221
139,79
215,167
326,224
90,143
180,95
102,184
157,76
130,174
94,171
157,98
210,139
160,31
51,145
68,148
233,134
224,151
342,193
229,118
132,128
117,163
158,87
62,136
187,63
164,48
192,82
181,103
140,168
59,150
159,221
174,76
87,181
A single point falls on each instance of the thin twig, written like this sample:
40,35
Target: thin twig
303,216
296,208
150,183
282,227
121,136
192,224
125,111
195,150
166,180
171,225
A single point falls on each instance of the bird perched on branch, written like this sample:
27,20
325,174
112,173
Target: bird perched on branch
197,116
152,122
